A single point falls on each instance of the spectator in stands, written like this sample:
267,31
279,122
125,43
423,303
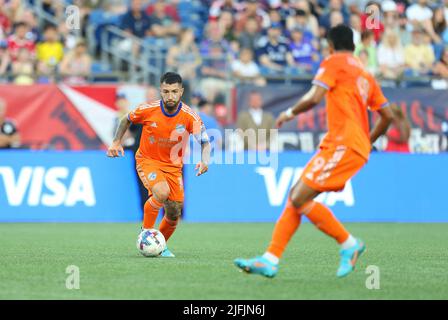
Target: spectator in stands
214,82
371,20
253,119
245,70
439,25
304,18
368,43
123,106
300,20
418,55
219,6
324,19
285,9
250,36
274,55
252,10
152,94
208,118
303,51
168,8
420,16
136,21
196,99
275,17
184,58
5,60
227,25
23,68
16,9
49,52
75,66
391,55
162,23
34,32
336,18
440,68
214,37
399,132
394,21
18,41
9,134
5,21
355,25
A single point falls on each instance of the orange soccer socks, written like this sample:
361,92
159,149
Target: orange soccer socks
290,220
151,211
325,221
284,229
167,227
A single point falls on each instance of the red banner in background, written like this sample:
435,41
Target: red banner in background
47,119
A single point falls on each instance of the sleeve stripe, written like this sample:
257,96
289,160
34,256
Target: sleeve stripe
321,84
129,118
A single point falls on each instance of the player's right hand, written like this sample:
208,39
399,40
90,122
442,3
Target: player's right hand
115,150
282,118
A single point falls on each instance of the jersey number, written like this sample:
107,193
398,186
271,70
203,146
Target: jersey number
363,88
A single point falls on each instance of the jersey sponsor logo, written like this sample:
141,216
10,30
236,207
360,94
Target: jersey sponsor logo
152,176
152,139
278,189
51,187
180,128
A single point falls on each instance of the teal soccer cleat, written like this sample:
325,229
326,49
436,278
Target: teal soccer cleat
349,258
167,254
258,265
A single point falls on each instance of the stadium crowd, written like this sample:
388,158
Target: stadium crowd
261,39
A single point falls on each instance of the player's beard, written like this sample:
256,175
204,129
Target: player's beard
171,106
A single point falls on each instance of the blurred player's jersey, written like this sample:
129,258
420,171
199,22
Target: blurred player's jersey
165,136
351,91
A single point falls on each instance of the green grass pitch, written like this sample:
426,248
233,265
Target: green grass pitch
412,259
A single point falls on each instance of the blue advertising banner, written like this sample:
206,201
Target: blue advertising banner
67,187
390,188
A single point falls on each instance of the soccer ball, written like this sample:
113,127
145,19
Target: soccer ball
151,242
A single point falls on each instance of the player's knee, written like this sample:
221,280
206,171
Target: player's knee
296,199
162,193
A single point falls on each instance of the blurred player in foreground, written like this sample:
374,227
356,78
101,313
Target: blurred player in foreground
167,125
349,91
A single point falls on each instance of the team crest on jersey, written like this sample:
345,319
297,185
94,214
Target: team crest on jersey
180,128
152,176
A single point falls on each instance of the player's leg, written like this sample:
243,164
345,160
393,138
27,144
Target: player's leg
299,202
173,211
158,191
173,205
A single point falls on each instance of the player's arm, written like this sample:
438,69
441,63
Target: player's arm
116,148
381,126
202,138
378,102
311,99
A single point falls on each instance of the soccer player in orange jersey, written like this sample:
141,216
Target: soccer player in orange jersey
349,90
167,125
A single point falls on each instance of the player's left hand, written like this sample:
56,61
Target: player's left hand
202,168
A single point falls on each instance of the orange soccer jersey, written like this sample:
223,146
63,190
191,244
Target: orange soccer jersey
351,91
162,144
346,147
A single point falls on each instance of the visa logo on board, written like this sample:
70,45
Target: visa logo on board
48,186
278,190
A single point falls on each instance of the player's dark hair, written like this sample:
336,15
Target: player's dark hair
170,78
341,37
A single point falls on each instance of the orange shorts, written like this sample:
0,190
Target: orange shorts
150,174
331,168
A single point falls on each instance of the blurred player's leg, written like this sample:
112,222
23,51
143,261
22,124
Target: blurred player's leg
173,205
